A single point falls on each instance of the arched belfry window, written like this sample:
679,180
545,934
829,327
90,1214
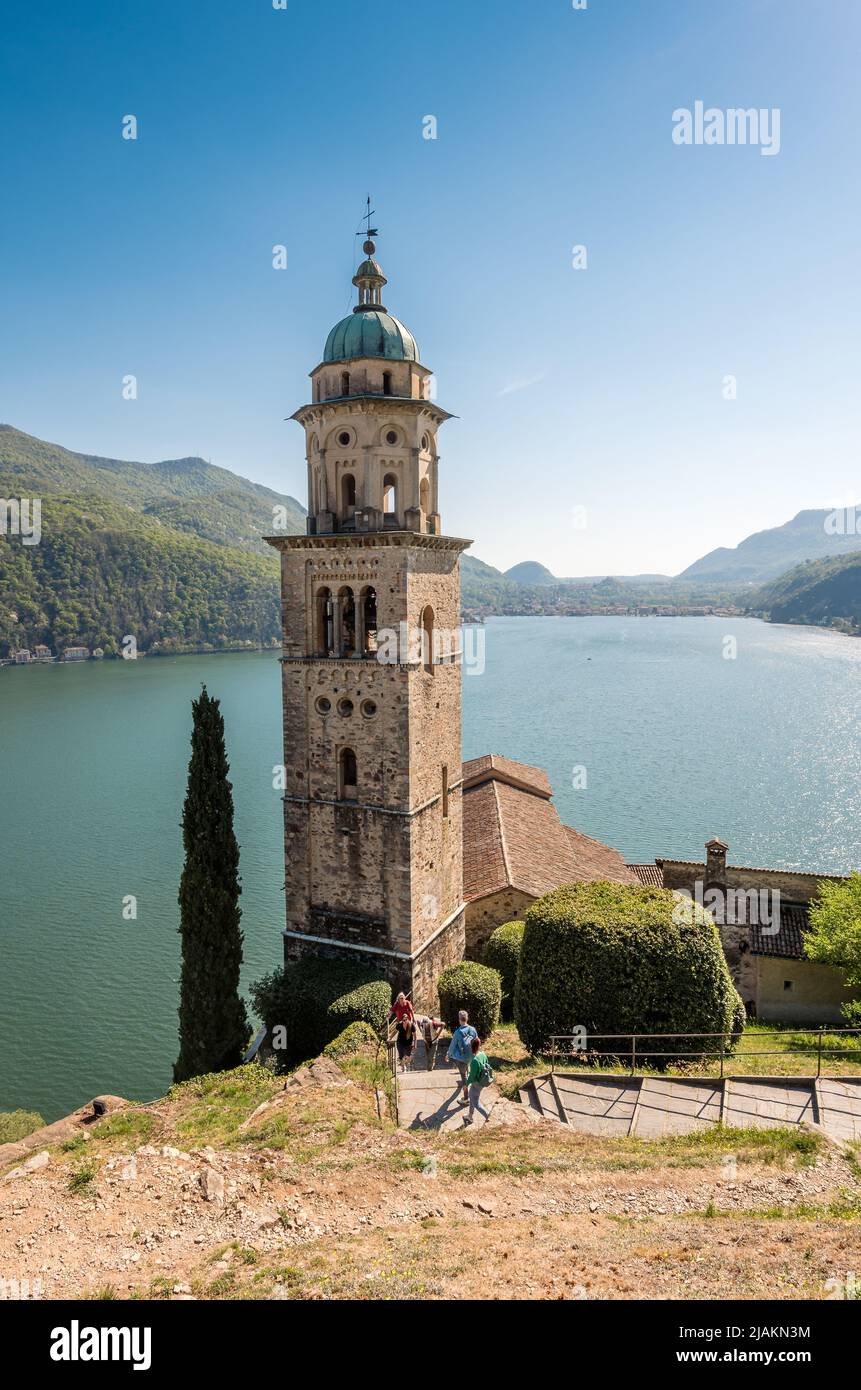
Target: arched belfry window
369,620
324,636
348,496
390,494
347,622
427,639
348,776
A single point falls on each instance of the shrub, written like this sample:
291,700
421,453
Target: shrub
611,958
17,1124
502,953
354,1037
851,1012
314,1000
475,988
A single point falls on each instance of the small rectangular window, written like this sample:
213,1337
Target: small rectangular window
445,792
788,985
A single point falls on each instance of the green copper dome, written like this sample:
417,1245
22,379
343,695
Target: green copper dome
371,333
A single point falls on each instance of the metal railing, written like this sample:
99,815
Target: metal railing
721,1052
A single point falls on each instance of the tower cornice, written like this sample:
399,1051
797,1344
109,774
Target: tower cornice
368,404
369,540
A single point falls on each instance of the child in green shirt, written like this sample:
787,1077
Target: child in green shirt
478,1076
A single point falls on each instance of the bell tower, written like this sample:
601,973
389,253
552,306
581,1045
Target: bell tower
371,665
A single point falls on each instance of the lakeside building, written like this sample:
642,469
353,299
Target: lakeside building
22,657
42,653
76,654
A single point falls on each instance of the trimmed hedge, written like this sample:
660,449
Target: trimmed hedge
354,1037
610,958
315,999
475,988
502,953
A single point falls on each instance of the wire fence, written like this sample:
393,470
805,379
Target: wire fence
724,1046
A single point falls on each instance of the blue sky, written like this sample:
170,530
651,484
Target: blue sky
599,389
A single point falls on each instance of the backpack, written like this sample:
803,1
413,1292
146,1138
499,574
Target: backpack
486,1077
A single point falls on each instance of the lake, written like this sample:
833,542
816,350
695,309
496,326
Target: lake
675,744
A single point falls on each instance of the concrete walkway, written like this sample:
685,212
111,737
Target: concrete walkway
428,1097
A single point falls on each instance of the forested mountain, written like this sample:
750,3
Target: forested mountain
171,553
825,592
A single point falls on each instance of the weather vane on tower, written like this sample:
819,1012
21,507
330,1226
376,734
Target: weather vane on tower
369,248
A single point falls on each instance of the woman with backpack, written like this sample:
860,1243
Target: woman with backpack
480,1075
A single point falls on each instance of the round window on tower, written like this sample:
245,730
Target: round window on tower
425,442
323,705
391,437
369,708
344,438
345,707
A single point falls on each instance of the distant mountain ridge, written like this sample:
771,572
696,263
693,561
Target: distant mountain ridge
767,554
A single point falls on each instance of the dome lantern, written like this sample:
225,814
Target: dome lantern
369,280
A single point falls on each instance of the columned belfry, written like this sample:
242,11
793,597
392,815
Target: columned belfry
371,665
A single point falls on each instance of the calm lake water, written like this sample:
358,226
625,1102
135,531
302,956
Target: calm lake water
678,744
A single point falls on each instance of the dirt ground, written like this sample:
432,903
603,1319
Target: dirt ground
207,1195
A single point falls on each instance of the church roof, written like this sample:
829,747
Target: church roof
513,837
372,333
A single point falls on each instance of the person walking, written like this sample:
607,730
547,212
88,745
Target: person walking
401,1006
480,1074
405,1036
460,1051
431,1030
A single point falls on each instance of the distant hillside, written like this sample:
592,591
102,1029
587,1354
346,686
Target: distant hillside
767,554
169,552
530,572
825,592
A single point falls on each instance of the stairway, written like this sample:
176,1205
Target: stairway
428,1098
651,1107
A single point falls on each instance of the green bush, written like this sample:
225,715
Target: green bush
851,1012
17,1124
306,1004
610,958
502,953
475,988
354,1037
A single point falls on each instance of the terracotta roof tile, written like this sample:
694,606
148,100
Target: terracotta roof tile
595,860
513,837
650,875
789,941
484,867
492,766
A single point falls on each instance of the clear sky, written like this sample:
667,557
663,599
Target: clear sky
600,388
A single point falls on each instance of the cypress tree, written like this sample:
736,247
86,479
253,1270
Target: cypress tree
213,1028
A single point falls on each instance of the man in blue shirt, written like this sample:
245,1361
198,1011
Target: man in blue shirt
460,1050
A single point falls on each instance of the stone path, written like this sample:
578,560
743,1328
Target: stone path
428,1097
653,1106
